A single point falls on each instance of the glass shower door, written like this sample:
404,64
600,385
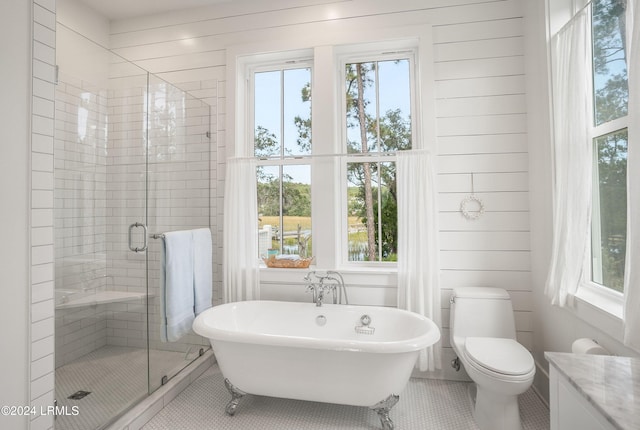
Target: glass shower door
178,199
132,158
100,191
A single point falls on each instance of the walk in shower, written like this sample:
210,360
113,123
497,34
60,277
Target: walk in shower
132,160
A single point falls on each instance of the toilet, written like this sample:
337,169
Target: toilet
483,336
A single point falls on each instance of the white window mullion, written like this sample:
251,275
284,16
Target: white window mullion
325,171
596,234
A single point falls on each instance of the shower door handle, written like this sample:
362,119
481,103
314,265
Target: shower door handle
144,228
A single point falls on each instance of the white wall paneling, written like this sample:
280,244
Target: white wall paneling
480,114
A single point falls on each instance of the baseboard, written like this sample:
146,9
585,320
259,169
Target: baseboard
541,384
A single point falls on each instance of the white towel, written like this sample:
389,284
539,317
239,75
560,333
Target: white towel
176,285
202,269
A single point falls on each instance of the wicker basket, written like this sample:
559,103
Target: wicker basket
283,263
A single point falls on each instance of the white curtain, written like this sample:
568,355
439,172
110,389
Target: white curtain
632,273
418,269
241,274
572,113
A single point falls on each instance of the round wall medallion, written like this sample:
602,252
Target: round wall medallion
472,207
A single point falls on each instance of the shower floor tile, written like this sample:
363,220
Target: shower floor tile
424,404
115,376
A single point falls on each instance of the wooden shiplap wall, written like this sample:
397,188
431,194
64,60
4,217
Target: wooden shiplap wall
480,110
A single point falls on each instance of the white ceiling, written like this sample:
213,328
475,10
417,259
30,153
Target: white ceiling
121,9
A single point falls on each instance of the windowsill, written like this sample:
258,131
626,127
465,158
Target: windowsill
600,308
610,302
352,274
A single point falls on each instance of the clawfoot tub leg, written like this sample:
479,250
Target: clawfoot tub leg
382,409
236,395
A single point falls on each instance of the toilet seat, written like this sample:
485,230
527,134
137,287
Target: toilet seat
499,355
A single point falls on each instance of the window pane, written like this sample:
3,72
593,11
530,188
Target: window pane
610,208
284,209
282,106
609,61
371,211
296,210
268,208
361,107
297,111
395,105
378,101
267,113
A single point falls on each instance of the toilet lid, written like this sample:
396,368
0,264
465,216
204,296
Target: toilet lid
500,355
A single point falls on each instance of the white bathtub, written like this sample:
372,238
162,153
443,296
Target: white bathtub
282,349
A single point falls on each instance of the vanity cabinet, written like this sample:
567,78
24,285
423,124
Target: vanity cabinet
570,409
593,392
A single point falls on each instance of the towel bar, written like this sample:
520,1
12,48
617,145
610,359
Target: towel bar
157,236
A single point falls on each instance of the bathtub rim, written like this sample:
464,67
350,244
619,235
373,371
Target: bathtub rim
431,336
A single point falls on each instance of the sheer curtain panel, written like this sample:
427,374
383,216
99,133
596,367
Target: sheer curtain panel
241,274
418,268
572,151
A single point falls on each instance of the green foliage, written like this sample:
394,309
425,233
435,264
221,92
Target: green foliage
296,197
612,174
265,142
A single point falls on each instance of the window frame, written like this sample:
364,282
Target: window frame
354,55
281,160
589,291
322,150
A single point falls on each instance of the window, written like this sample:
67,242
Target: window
378,121
609,134
282,132
345,174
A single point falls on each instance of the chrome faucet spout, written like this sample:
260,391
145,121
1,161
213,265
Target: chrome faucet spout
316,284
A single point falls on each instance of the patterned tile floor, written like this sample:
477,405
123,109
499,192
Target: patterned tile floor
116,377
424,404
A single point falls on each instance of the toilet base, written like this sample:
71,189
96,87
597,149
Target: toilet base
493,411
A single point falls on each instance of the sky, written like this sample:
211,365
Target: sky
393,88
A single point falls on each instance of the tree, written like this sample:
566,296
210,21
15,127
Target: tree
391,132
609,60
359,106
612,176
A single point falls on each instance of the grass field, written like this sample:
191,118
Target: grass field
357,239
291,222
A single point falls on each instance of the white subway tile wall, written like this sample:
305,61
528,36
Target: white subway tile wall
41,390
80,215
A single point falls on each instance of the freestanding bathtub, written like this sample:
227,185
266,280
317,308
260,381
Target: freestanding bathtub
352,355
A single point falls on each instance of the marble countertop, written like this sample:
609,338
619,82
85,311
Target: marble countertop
611,384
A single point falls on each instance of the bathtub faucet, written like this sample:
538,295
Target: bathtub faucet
321,283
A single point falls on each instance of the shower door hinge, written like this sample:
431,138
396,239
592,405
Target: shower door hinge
56,73
208,134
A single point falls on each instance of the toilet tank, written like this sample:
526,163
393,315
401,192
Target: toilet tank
481,312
